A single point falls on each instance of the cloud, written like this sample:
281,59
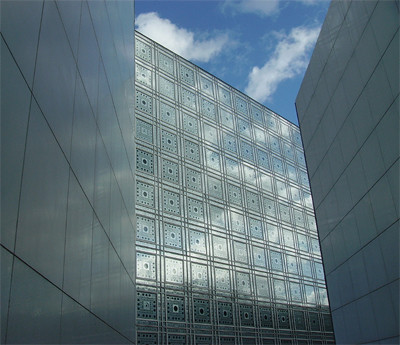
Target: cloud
180,40
289,59
260,7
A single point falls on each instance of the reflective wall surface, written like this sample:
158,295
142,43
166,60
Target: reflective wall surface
67,234
348,108
227,248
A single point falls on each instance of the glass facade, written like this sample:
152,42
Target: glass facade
348,109
67,175
227,249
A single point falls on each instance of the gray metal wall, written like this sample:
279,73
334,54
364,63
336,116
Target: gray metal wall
348,109
67,236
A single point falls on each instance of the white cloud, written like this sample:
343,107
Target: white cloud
260,7
289,59
180,40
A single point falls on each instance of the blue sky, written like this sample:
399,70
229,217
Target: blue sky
260,47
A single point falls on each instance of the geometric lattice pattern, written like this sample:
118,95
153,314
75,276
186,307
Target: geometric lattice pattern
227,250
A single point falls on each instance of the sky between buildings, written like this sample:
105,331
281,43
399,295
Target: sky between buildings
260,47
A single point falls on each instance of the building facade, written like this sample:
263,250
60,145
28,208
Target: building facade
227,249
67,233
348,109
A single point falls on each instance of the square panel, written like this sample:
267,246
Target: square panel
169,142
306,266
285,213
319,271
144,103
190,124
276,261
241,105
283,318
146,305
201,310
273,234
144,161
291,172
232,167
224,96
299,320
165,63
278,165
173,271
225,313
145,229
295,292
172,235
226,118
217,215
144,131
296,196
288,238
266,318
142,50
246,315
271,121
143,75
244,128
193,179
199,275
144,194
279,289
298,218
219,246
269,207
222,279
259,256
206,85
281,188
288,151
256,229
166,87
175,308
256,114
145,266
234,194
247,150
208,109
262,283
187,75
171,202
310,294
210,134
170,171
168,114
240,252
263,159
315,246
215,188
195,209
302,242
292,264
188,99
213,160
274,144
197,241
250,175
237,222
243,283
192,151
253,202
229,142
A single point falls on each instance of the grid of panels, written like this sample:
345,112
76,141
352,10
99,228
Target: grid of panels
231,238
